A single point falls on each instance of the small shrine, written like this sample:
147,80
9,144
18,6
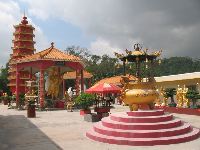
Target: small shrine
139,92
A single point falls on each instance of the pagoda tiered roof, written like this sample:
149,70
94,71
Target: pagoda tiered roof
24,25
23,40
31,48
15,33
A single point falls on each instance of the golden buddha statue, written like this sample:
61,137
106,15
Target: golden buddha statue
54,79
163,97
179,96
160,98
186,102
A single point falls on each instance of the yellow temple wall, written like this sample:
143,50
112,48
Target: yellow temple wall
171,83
174,84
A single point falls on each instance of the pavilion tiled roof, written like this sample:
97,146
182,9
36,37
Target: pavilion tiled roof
50,54
114,80
72,75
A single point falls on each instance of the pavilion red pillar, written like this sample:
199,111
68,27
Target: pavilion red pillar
82,81
17,86
64,88
77,82
89,82
41,88
30,75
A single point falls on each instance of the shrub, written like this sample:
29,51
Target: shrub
193,96
84,100
172,105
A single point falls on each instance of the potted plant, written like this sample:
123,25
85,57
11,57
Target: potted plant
170,93
84,101
21,102
31,108
193,96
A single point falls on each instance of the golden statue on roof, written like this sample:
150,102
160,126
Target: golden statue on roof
141,91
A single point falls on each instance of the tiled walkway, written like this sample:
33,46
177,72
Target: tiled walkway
55,130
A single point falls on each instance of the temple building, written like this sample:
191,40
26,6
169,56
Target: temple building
190,80
23,45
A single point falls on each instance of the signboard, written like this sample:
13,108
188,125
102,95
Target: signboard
60,63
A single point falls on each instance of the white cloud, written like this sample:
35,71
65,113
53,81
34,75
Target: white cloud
101,47
40,38
171,25
11,14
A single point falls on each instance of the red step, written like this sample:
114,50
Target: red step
123,117
99,128
142,128
107,122
146,113
193,134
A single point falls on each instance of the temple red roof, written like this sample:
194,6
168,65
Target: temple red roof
72,75
114,80
50,54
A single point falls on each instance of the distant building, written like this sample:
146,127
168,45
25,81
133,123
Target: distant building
190,80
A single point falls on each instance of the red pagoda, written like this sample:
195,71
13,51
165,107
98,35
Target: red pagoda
23,45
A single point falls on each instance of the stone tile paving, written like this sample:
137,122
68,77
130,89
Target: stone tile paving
54,130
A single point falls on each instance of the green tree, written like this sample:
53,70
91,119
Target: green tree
4,80
193,95
177,65
83,53
170,92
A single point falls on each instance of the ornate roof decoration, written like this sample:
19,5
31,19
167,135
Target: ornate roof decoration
138,53
50,54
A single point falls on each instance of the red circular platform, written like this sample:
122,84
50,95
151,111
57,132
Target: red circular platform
142,128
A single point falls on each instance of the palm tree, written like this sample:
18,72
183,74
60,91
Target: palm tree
170,92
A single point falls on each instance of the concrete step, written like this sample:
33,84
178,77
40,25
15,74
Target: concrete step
99,128
157,112
107,122
123,117
193,134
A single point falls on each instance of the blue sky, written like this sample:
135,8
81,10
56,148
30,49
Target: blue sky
62,33
106,26
59,31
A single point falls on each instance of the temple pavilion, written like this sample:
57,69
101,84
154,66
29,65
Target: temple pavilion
24,64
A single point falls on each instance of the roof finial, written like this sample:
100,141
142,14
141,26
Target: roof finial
52,44
24,21
24,13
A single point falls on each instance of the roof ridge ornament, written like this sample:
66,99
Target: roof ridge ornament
137,47
52,44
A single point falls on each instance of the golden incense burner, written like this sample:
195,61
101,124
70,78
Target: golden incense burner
141,91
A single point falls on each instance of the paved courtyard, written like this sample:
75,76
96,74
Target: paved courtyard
55,130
